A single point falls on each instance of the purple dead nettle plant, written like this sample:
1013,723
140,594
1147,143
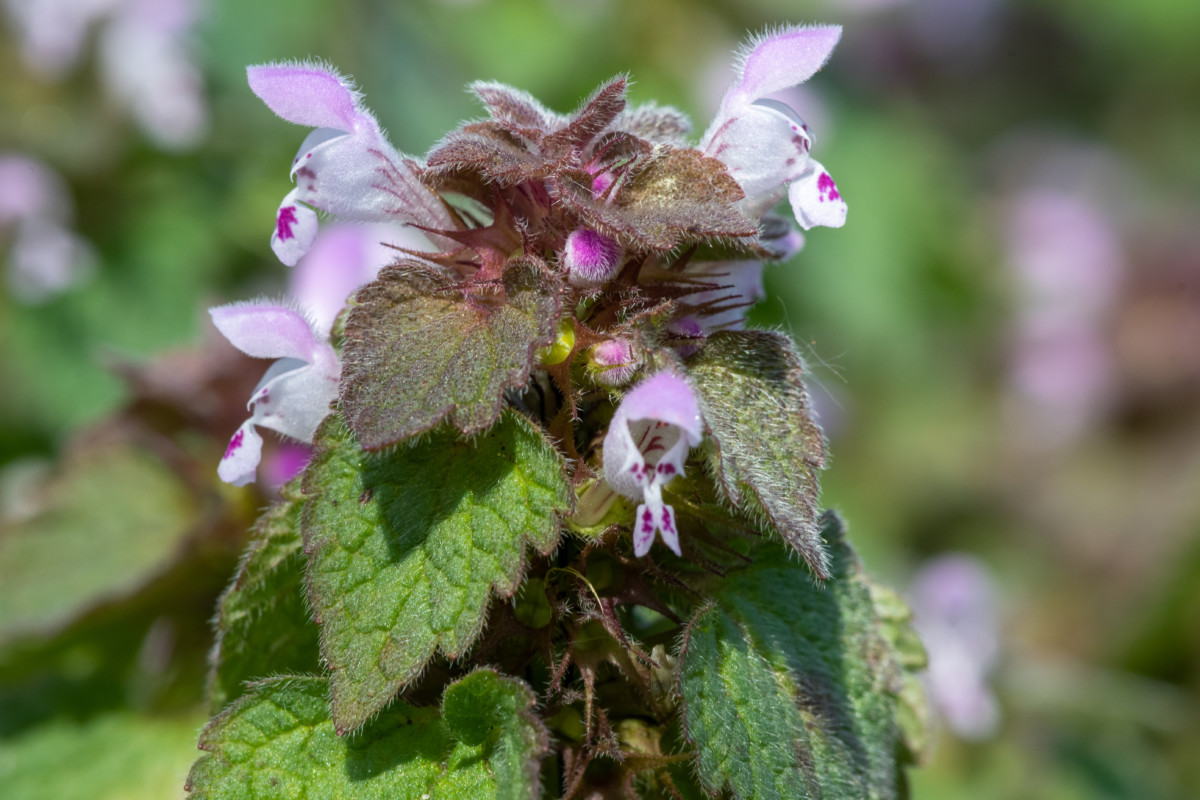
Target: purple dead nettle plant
540,368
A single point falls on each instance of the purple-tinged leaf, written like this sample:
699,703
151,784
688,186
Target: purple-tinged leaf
419,349
515,108
680,198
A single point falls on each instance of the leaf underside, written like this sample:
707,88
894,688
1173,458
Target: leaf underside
789,687
418,351
278,743
407,547
765,448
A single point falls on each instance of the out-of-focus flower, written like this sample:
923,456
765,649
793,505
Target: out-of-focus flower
45,257
144,53
1067,259
954,611
648,440
52,32
345,167
738,285
293,396
763,142
285,462
146,61
343,258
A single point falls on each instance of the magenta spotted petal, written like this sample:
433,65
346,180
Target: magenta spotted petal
294,394
345,167
816,200
648,440
295,230
764,143
244,451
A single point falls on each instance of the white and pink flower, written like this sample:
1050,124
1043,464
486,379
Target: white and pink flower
346,167
763,142
648,440
293,396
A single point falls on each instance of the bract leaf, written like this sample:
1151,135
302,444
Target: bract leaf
764,447
418,351
278,743
263,624
789,686
679,198
491,149
406,548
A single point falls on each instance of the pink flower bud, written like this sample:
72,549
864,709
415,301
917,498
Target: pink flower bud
612,363
591,259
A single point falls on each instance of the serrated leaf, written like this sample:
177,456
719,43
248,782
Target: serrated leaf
418,352
593,117
278,742
111,521
495,711
678,198
263,624
110,757
492,149
763,446
514,108
659,124
407,547
789,686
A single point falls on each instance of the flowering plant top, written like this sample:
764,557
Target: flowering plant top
551,374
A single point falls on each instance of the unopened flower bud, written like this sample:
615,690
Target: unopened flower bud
591,259
612,363
564,343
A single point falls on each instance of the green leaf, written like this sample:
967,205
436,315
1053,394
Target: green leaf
764,447
912,710
115,518
111,757
789,687
279,742
487,708
263,624
418,351
407,547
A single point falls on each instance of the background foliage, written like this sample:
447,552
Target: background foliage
945,123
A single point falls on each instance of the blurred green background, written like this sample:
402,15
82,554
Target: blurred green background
1004,342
